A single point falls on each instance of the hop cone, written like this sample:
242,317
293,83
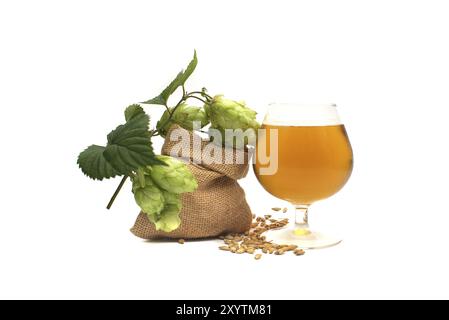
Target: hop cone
149,198
184,116
173,199
168,219
174,177
229,114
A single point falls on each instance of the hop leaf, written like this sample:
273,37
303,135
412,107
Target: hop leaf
132,111
149,198
184,116
93,164
174,176
129,147
179,81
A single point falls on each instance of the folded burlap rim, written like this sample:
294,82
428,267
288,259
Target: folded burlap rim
190,147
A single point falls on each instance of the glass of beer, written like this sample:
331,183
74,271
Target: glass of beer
303,155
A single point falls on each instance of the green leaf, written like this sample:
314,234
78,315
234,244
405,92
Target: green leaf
132,111
190,68
129,145
157,100
179,81
93,163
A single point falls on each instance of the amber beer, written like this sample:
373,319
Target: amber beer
314,162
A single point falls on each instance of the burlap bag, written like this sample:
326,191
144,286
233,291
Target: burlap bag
217,207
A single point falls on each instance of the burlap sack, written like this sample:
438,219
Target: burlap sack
217,207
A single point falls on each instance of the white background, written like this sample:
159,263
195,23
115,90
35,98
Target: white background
69,68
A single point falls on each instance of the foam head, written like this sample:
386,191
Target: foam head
294,114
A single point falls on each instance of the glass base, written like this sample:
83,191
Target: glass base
303,238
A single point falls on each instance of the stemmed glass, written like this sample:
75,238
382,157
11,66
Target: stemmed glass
303,155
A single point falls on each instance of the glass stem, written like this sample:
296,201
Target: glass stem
302,217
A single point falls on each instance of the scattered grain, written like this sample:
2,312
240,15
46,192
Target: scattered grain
254,240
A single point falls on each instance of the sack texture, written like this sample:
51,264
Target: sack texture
218,206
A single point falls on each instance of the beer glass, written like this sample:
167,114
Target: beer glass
303,155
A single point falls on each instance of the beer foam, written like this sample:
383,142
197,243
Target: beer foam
313,115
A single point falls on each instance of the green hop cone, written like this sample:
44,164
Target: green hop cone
230,114
174,177
184,116
172,199
149,198
168,219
